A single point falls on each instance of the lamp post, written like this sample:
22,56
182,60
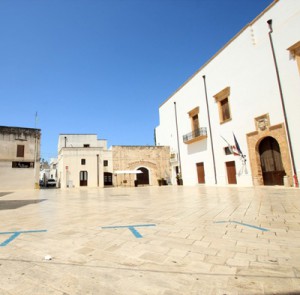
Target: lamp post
283,105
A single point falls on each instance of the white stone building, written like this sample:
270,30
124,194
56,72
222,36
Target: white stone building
83,161
238,91
19,157
53,168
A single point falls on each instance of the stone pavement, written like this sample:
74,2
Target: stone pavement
165,240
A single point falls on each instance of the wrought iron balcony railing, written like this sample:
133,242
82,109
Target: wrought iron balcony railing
195,135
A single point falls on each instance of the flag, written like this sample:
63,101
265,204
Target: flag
230,147
236,148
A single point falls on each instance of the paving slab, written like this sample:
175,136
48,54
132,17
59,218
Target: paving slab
150,240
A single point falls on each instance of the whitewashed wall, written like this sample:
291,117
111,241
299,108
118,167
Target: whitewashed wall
69,160
246,65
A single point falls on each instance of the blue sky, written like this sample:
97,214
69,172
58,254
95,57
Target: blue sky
105,66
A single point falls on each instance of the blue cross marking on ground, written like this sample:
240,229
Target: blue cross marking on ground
245,224
15,234
132,228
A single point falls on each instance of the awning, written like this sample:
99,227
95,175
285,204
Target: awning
128,172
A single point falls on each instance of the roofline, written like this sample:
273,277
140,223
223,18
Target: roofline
219,51
157,146
20,128
78,134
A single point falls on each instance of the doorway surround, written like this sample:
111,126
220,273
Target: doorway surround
263,130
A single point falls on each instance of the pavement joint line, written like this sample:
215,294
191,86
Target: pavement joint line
245,224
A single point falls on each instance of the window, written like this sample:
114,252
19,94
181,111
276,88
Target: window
197,133
295,53
20,150
105,163
193,114
82,161
222,99
195,122
225,109
227,151
86,145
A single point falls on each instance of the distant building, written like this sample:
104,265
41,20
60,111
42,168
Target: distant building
44,172
83,161
53,168
48,171
19,157
239,91
152,161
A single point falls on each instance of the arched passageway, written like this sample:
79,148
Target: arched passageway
143,178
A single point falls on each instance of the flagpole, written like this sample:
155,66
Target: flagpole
210,133
178,145
36,185
296,183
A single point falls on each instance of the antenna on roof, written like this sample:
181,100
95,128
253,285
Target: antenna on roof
35,119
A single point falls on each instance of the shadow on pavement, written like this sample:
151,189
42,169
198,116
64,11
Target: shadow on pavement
4,193
15,204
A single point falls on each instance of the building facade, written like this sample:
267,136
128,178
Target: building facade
83,161
19,157
152,161
235,120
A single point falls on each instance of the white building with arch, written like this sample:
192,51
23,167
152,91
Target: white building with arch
239,92
85,161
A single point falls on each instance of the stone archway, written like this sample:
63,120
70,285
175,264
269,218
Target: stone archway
271,161
254,139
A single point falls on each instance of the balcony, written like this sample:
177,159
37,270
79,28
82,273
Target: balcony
196,135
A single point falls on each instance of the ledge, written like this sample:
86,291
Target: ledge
196,135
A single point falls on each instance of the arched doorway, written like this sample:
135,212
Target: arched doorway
271,162
143,178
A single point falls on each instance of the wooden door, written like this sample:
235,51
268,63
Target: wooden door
107,178
271,162
231,172
83,178
200,172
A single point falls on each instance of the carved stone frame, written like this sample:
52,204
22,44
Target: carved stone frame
253,141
